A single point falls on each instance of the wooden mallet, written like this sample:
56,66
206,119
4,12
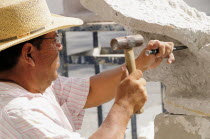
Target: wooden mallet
127,44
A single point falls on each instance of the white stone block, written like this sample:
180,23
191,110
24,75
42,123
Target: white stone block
188,79
181,127
172,18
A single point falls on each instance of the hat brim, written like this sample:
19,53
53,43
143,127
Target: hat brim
59,22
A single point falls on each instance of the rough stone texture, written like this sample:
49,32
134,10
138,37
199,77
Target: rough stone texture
188,79
173,18
181,127
187,82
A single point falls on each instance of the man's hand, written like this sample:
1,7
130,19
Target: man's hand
144,62
131,96
131,93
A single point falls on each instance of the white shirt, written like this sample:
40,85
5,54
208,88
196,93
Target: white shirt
56,113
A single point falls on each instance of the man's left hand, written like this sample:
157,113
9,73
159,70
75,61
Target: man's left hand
144,62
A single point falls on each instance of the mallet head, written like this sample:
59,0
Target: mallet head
127,42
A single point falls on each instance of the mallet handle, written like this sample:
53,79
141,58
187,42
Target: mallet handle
130,60
131,66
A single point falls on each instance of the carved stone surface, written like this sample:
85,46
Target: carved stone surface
188,79
187,82
173,18
181,127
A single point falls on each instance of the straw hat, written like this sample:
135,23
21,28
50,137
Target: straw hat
22,20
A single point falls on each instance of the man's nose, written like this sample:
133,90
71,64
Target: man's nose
60,46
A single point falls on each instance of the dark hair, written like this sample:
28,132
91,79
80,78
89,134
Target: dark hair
9,57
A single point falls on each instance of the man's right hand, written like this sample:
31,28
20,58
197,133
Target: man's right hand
131,93
131,96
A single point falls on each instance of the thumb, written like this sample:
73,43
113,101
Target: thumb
137,74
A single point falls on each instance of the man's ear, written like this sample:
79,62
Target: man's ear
27,54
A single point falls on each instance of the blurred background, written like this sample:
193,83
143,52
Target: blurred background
87,52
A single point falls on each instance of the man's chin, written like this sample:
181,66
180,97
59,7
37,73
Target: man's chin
55,76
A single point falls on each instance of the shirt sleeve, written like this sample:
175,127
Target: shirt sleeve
36,125
72,94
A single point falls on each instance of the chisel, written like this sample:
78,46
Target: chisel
155,51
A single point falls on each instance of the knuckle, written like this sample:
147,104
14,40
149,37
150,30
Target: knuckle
139,72
128,81
151,42
157,42
171,44
168,47
144,99
154,42
144,81
141,88
161,47
168,51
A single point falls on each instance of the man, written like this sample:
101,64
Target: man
36,102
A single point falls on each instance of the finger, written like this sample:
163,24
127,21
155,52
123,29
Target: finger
137,74
152,45
168,50
171,58
125,73
171,44
161,48
145,94
142,81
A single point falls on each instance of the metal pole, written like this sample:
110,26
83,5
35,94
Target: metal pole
133,127
162,96
99,108
97,70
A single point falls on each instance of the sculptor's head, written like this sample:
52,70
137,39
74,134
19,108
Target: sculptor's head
29,44
36,61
